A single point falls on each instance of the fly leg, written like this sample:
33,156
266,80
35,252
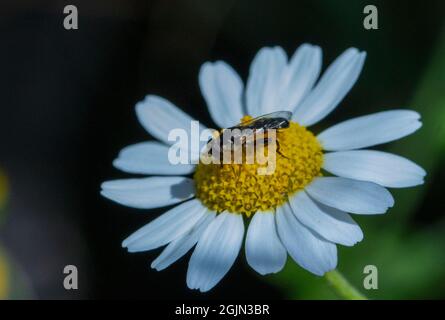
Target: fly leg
279,151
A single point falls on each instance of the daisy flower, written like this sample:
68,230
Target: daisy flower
303,208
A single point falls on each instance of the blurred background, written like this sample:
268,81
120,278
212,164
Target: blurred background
67,107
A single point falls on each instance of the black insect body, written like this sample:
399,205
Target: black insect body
248,132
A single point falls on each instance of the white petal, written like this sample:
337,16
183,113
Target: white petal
167,227
148,193
263,84
222,89
179,247
216,251
370,130
350,195
159,117
383,168
149,158
299,76
264,251
332,224
309,250
335,83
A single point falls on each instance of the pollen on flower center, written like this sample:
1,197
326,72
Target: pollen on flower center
238,188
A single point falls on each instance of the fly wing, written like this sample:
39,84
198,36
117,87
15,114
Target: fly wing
284,115
277,114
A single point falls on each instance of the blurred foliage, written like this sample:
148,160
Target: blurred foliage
427,146
13,282
4,277
410,262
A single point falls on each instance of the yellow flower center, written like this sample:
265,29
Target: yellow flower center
238,188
